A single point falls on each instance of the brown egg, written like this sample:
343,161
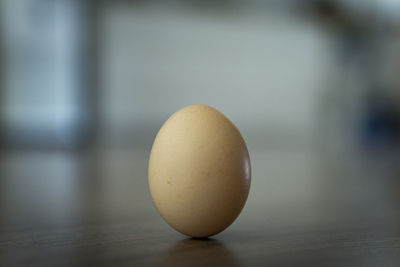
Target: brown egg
199,171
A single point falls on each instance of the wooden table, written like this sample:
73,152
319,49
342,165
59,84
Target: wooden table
93,208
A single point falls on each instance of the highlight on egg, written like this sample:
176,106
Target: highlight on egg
199,171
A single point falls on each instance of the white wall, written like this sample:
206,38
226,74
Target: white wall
263,70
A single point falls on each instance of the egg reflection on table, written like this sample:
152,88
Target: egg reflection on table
199,171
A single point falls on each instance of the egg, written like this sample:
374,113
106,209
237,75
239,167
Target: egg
199,171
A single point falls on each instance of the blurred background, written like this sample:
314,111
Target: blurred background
313,85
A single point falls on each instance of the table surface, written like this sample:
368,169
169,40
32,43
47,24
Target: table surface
306,208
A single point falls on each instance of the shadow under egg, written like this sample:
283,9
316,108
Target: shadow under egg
198,252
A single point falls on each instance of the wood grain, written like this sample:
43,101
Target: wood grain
93,208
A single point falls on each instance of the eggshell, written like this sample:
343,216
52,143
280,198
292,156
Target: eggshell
199,171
